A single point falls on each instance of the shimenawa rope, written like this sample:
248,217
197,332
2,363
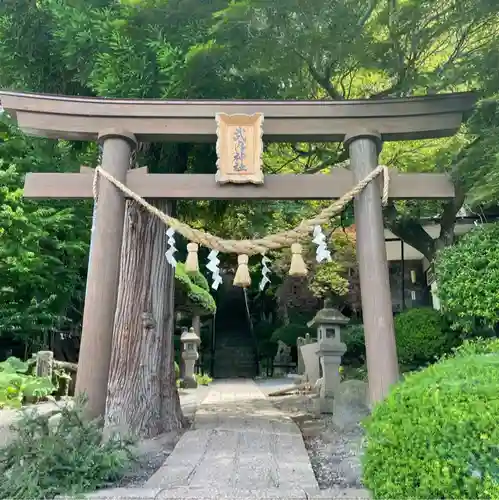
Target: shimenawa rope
259,245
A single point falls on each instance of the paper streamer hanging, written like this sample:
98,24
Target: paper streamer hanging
322,253
171,247
213,263
265,271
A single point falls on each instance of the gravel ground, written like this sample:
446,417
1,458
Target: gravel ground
334,455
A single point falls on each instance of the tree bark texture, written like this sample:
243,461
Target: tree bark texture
142,397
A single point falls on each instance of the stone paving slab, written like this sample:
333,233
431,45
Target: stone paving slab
239,443
190,493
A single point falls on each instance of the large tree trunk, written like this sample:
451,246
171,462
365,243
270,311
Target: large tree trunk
142,396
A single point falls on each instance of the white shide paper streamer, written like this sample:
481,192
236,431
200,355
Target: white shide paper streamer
213,262
170,232
265,271
322,253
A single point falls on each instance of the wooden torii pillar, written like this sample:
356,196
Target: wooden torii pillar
362,125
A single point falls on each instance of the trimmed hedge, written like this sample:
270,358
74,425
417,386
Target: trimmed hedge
422,336
436,434
468,279
196,288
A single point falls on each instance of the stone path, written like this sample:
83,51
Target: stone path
240,448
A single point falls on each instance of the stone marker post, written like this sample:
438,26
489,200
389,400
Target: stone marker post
44,363
190,355
300,342
382,363
103,274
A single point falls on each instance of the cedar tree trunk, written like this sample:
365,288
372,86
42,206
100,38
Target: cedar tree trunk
142,397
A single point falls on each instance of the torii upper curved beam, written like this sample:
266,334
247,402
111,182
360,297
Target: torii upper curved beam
82,118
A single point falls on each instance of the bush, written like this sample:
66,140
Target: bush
289,333
353,337
177,371
436,434
203,379
66,457
193,289
468,279
477,346
16,385
422,335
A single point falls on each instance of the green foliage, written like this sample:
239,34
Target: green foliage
290,333
43,255
327,280
436,434
198,298
203,379
422,336
477,346
468,279
63,457
177,371
353,337
16,385
263,331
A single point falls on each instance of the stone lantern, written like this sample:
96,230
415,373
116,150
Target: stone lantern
328,322
190,355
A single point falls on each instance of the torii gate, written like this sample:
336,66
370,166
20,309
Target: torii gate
119,123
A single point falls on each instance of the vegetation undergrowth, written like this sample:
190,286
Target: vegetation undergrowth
60,453
203,379
16,385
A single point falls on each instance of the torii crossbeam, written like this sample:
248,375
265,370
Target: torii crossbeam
120,123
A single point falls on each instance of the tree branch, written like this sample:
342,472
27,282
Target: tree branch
367,15
410,231
323,80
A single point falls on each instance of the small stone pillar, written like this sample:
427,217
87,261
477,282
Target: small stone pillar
300,342
330,350
190,355
44,363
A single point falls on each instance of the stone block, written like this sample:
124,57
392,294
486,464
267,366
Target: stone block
311,362
351,405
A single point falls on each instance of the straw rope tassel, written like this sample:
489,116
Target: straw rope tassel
192,263
242,277
298,267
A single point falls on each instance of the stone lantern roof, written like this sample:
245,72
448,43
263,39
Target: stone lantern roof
328,315
190,336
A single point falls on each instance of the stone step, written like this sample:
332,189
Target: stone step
232,353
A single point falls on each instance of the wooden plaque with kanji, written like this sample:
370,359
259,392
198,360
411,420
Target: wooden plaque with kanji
239,148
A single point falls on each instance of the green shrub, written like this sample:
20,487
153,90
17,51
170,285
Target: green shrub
422,335
468,279
195,289
290,333
16,385
66,457
177,371
203,379
477,346
353,337
436,434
